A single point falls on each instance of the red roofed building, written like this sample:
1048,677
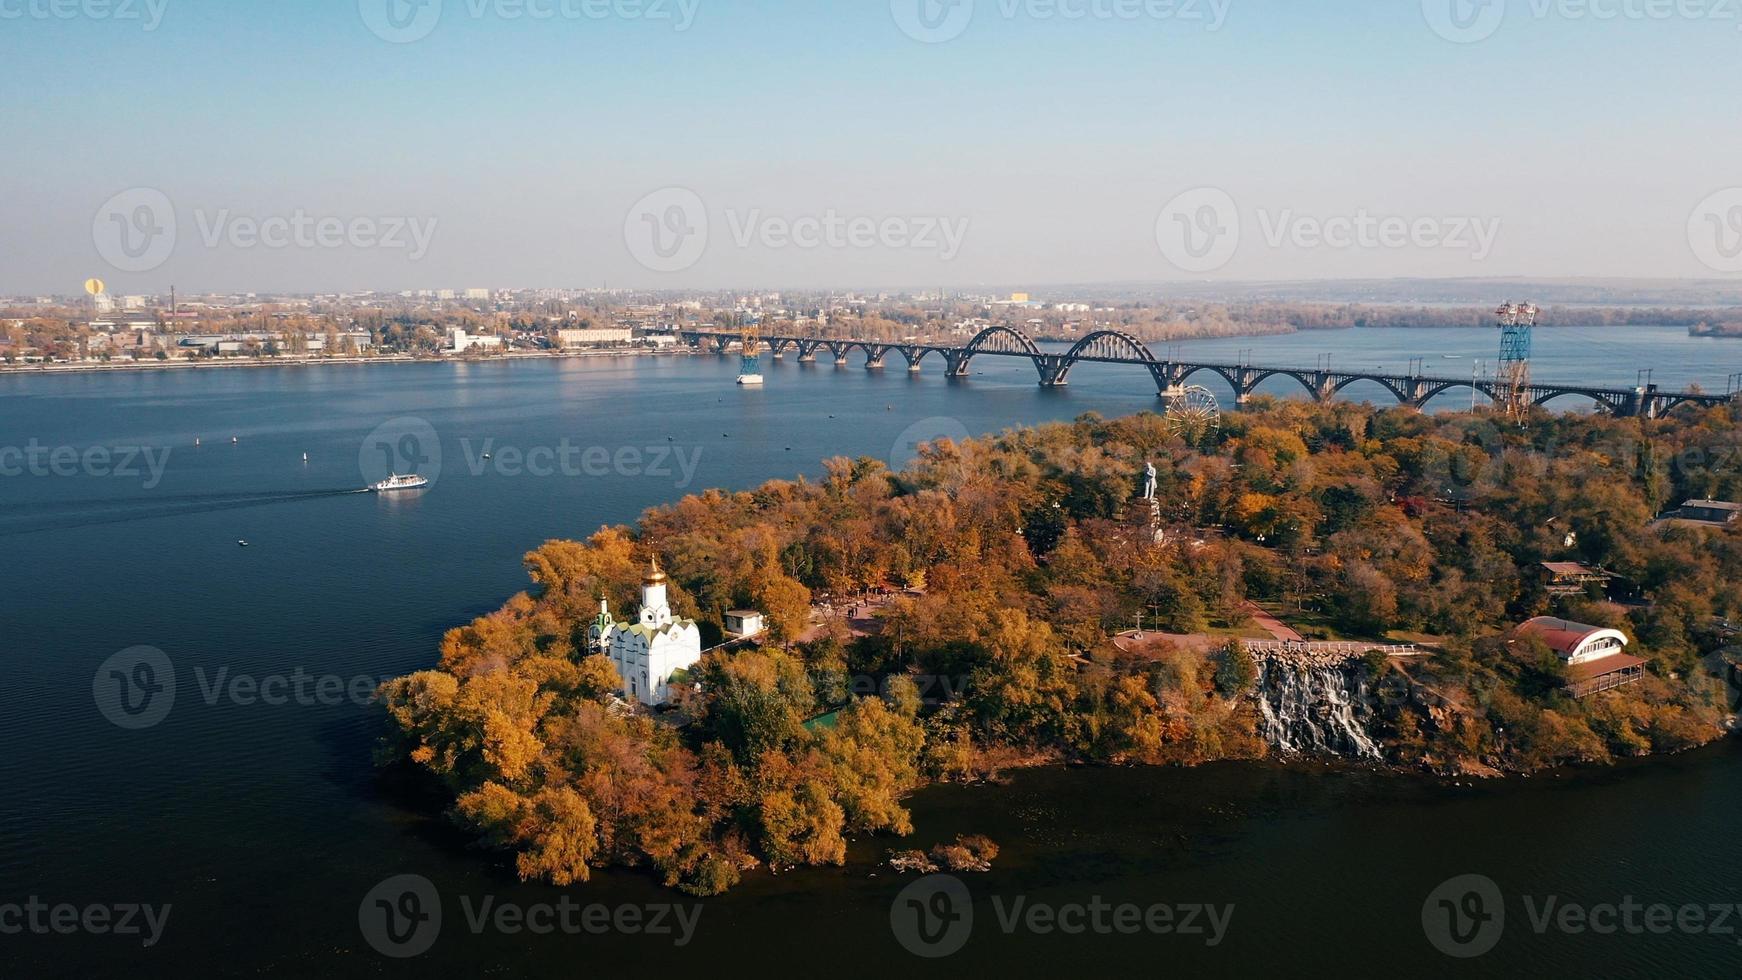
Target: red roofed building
1595,656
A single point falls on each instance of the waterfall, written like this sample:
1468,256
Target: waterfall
1319,709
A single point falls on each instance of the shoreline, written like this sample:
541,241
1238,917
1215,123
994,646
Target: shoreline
88,367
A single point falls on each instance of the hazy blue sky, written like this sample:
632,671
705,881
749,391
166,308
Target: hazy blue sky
1558,143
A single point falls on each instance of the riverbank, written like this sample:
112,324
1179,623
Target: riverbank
102,367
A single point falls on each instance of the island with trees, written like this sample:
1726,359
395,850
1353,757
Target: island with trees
1009,572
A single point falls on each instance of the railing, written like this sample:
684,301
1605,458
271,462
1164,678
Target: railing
1335,648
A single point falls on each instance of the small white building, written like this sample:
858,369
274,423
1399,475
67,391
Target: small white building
745,623
460,342
649,651
1596,657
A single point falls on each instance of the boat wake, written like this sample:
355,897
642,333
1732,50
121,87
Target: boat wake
65,515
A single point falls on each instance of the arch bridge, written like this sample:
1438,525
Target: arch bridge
1415,389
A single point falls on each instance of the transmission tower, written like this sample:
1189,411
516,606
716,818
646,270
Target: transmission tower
1512,377
750,373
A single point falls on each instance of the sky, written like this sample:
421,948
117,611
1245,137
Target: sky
327,145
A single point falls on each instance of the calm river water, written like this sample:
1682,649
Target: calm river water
263,826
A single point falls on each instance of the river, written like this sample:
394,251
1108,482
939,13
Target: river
264,826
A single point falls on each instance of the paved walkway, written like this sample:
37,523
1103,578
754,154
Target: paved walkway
1270,624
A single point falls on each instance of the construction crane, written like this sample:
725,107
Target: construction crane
1512,377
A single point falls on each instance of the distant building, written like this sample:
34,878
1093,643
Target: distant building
1569,578
1706,513
570,339
1595,656
648,653
459,341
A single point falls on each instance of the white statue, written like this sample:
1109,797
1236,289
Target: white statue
1149,478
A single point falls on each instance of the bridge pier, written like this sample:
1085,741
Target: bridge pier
956,364
1054,371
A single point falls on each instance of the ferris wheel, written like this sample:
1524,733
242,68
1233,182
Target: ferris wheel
1193,412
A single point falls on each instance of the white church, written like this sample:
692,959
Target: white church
648,652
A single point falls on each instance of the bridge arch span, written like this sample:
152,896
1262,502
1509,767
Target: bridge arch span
1437,389
1260,375
1189,371
1401,395
1001,340
1110,343
1603,404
